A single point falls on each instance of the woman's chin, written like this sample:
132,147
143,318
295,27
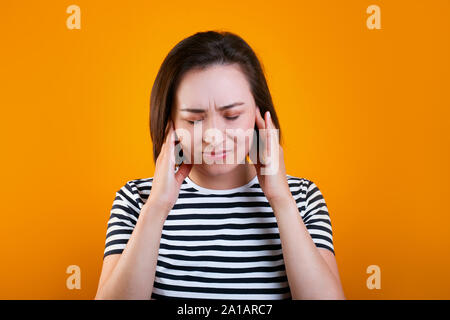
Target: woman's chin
217,168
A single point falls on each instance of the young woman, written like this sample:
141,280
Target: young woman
217,229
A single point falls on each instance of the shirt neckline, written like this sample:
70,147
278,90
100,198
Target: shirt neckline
221,191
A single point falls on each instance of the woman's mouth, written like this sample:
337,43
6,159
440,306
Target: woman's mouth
216,154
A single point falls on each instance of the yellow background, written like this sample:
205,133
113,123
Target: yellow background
365,115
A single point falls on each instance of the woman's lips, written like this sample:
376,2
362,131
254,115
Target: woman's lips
216,155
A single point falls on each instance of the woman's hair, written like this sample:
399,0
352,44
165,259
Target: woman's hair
201,50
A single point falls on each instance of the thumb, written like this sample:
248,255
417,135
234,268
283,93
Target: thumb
182,172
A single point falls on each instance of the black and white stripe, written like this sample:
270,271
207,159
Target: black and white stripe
219,244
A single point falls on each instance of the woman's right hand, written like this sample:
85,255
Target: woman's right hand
166,183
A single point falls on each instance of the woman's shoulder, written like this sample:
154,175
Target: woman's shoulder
135,189
137,183
141,182
298,180
302,185
308,189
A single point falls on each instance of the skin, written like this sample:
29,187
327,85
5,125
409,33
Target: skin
199,97
312,272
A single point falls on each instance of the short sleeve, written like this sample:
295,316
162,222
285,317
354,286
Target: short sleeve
122,220
317,219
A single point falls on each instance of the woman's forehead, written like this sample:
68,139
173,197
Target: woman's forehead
213,87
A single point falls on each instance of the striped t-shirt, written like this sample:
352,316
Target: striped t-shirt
219,244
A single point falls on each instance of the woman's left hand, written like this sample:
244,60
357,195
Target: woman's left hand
271,169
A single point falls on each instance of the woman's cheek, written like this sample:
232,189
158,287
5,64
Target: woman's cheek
189,150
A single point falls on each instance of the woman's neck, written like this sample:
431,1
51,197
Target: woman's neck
240,176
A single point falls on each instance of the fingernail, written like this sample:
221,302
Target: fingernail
269,114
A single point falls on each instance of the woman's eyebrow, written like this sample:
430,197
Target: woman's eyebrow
196,110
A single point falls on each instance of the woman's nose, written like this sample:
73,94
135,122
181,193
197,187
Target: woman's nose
213,131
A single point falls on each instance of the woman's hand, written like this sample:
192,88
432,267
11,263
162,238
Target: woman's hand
166,183
271,175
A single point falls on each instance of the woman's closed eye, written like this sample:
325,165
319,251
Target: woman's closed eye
228,118
192,122
232,118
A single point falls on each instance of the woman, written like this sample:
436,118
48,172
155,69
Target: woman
212,229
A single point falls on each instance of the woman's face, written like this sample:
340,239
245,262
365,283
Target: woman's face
214,111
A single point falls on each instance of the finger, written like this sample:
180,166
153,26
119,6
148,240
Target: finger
167,140
164,144
183,172
168,124
171,143
265,139
268,134
168,129
275,131
259,119
260,123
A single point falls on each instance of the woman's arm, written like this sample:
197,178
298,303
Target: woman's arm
309,275
133,275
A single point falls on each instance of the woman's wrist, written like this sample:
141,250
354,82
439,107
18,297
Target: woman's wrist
155,209
282,203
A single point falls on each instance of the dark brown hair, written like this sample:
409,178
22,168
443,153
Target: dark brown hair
201,50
